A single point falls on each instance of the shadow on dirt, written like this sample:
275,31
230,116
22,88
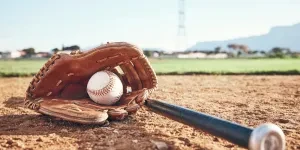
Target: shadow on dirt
119,134
35,123
14,102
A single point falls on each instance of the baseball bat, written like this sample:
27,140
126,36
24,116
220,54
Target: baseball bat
264,137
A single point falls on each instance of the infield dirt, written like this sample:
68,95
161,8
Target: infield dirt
247,100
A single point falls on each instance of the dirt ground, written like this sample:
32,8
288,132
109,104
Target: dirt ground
247,100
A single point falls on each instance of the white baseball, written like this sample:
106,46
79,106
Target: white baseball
105,87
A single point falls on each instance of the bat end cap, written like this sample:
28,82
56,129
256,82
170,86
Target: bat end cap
267,137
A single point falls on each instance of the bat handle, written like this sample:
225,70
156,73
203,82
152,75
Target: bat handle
264,137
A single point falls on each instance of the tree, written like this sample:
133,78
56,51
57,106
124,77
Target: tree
239,53
147,53
263,52
244,48
230,46
287,51
233,46
277,52
55,50
217,49
29,51
295,55
72,48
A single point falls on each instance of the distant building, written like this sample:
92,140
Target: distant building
155,54
192,55
202,55
42,55
64,52
253,55
218,56
14,54
296,54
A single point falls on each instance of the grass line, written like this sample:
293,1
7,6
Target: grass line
16,74
289,72
27,68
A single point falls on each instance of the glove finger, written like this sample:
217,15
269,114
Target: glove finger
70,111
133,100
132,76
139,75
117,114
134,96
133,108
120,114
146,73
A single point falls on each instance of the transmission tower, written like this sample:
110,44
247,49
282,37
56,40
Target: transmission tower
181,33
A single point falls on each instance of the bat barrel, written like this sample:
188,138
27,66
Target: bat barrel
266,136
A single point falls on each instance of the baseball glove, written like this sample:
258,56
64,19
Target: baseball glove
59,88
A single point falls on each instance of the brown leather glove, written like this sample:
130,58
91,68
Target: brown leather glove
59,88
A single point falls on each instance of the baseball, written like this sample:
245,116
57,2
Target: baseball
105,88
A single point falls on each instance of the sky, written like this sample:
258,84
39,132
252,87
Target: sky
49,24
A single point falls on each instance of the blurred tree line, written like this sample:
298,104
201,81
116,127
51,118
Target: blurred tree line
280,52
29,52
152,53
68,48
238,50
276,52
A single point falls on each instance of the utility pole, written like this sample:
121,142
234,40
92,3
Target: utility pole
181,43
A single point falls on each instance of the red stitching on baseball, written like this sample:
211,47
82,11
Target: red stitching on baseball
106,89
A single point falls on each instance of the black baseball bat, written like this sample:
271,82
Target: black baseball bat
264,137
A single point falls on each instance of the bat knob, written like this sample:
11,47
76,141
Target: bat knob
267,137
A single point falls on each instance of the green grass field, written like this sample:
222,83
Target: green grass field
20,67
9,68
227,66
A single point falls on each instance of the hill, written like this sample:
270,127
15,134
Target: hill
282,36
